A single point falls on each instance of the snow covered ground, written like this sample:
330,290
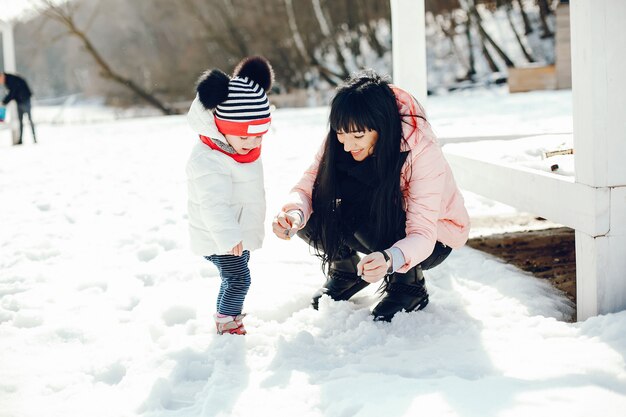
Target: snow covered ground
104,311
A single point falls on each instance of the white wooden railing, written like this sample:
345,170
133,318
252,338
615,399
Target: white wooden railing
594,201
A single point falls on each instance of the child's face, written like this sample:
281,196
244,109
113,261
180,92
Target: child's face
244,144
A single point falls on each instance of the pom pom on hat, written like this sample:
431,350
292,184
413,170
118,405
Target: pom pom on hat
256,68
212,88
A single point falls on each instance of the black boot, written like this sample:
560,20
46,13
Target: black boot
342,282
403,292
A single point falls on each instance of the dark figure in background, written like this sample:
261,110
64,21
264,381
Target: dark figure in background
20,92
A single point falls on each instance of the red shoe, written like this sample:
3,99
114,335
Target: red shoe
230,324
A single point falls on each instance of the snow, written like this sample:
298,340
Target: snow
531,152
105,312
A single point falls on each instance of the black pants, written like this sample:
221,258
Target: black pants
22,109
359,242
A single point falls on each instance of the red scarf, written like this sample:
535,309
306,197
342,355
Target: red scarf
251,156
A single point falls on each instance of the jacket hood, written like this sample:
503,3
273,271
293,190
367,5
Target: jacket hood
414,128
202,121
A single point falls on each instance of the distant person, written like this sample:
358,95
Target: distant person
379,185
226,206
20,92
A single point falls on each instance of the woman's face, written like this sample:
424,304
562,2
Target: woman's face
359,144
244,144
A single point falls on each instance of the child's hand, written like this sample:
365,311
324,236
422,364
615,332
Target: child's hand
286,224
237,250
372,268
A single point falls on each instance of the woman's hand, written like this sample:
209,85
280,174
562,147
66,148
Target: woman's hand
286,224
237,250
372,267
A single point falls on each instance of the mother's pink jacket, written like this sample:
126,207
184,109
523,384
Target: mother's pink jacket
433,203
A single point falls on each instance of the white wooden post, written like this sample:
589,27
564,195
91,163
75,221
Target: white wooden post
408,30
8,46
599,109
8,55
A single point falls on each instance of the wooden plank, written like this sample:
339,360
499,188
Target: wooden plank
548,154
563,48
531,78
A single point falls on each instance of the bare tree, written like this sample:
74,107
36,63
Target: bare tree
219,25
64,13
231,40
325,24
471,19
367,27
309,58
544,11
447,25
471,72
296,37
508,7
477,20
528,29
445,13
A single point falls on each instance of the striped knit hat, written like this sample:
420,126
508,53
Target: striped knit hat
240,103
246,111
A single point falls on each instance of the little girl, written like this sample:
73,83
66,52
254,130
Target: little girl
225,178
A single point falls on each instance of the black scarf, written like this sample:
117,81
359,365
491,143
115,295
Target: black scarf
355,182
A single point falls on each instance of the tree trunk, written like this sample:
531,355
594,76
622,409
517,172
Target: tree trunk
545,5
490,61
325,25
209,33
471,72
353,11
486,37
373,39
307,58
451,35
295,33
544,11
66,18
528,29
228,14
369,29
525,51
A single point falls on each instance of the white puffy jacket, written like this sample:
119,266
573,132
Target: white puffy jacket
226,198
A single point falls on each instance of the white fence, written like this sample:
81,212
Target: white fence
594,201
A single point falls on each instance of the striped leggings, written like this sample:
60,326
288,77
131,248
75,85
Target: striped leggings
235,281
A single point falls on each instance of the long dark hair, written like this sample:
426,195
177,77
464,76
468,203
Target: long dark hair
364,102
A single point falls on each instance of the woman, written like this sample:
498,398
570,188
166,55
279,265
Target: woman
379,186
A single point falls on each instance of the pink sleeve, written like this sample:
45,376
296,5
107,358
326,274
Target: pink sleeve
300,196
423,202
